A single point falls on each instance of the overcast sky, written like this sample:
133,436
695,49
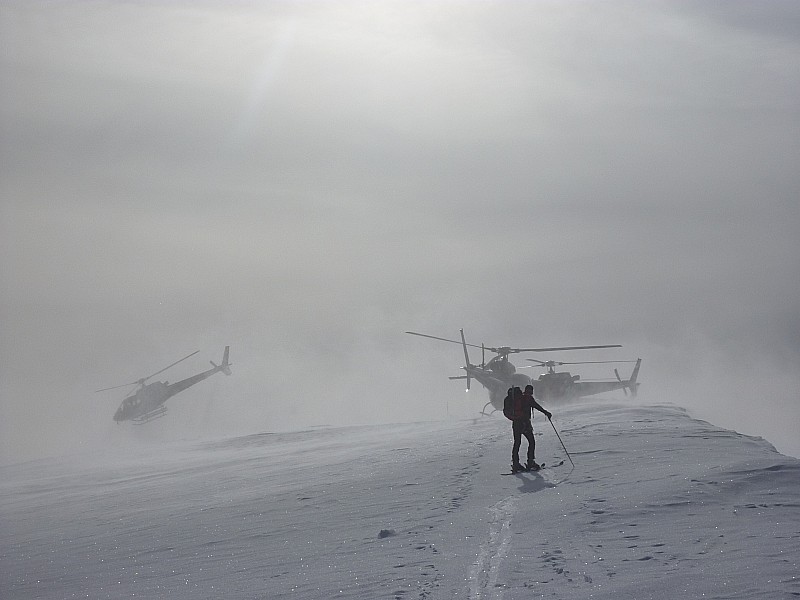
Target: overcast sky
304,181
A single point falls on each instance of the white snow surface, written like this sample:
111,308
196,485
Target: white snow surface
658,505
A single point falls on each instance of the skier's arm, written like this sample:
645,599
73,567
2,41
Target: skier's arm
542,410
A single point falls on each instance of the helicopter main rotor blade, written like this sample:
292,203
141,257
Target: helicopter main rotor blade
563,348
433,337
599,362
143,379
172,365
541,362
116,387
506,350
583,362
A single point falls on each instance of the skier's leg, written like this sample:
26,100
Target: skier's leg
531,446
517,443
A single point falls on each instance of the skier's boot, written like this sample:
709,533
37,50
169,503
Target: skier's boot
533,465
516,468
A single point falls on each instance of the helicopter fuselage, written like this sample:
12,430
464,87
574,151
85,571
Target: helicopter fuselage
146,400
554,386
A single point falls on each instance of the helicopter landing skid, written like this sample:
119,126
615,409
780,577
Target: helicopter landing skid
151,416
483,410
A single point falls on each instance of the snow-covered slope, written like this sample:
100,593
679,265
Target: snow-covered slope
658,506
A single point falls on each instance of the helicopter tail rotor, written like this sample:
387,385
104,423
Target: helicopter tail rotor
466,357
225,366
631,383
624,383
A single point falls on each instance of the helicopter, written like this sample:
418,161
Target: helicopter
565,386
147,402
499,374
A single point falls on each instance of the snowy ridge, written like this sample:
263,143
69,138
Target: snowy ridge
659,505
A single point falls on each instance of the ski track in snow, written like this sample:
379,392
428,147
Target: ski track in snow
483,575
659,505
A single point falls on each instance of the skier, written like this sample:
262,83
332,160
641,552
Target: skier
517,407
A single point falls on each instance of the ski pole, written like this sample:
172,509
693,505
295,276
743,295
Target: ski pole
560,440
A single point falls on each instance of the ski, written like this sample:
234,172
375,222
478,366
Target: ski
525,470
541,466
